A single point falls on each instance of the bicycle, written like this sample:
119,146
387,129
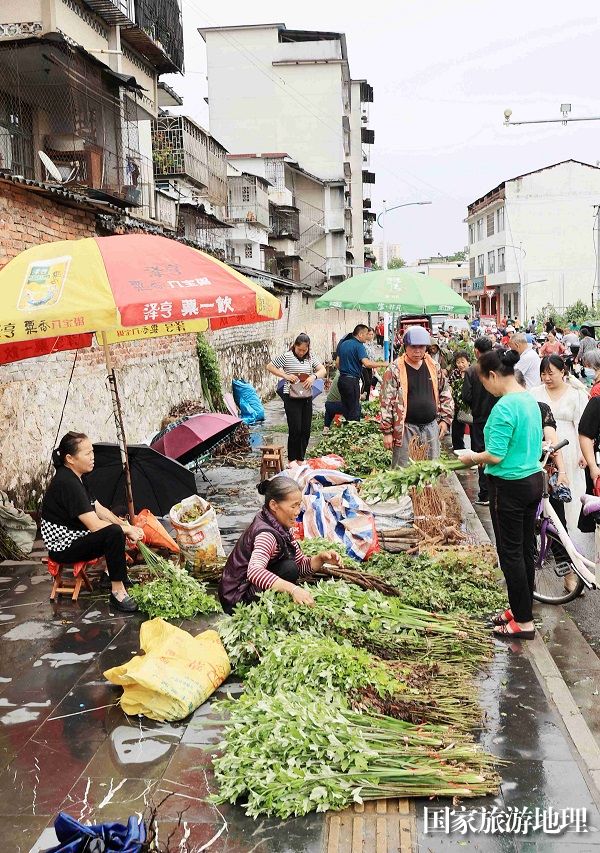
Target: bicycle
549,574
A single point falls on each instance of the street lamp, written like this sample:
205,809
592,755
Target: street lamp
387,350
385,210
565,110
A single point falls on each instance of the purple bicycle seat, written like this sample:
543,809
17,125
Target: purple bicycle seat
591,504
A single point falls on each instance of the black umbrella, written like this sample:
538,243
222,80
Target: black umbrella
158,482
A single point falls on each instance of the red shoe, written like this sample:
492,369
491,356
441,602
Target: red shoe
512,631
502,618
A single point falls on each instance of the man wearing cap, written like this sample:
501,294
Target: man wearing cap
415,400
508,333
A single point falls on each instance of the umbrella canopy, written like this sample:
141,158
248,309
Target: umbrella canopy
158,483
395,291
103,284
195,435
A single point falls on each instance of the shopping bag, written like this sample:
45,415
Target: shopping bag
176,674
76,837
197,531
154,532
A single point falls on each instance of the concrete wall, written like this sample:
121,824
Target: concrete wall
255,106
356,161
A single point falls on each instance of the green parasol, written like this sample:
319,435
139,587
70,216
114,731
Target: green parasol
396,291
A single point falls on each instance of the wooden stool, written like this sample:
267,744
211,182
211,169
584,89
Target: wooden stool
272,461
73,585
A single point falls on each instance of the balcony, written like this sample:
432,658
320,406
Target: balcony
248,200
368,177
367,136
366,93
182,149
56,99
368,232
284,222
366,203
152,27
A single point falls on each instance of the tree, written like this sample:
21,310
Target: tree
458,256
396,263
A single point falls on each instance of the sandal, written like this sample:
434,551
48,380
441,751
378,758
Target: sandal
502,618
512,631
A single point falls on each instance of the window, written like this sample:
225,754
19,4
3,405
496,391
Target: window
471,268
491,262
500,219
245,193
490,224
501,266
248,250
481,263
480,229
471,233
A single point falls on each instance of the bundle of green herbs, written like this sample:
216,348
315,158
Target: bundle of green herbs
292,753
453,580
360,443
414,692
173,593
370,620
395,483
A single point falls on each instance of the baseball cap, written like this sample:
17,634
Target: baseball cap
510,328
417,336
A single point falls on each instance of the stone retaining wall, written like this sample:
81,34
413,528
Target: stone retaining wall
152,375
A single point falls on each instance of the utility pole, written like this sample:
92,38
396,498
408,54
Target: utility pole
597,208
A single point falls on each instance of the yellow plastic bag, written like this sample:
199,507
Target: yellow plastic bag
176,674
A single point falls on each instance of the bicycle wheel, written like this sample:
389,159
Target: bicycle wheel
550,578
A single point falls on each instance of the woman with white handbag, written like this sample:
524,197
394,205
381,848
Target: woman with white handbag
299,371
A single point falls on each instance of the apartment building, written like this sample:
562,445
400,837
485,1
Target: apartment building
394,250
78,93
532,241
279,90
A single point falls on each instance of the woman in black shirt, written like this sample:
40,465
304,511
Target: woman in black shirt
76,527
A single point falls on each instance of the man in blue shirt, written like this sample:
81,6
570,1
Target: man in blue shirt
352,356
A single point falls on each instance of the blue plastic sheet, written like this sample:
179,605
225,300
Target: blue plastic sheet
74,837
248,402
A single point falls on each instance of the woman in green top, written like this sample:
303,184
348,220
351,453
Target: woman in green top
513,445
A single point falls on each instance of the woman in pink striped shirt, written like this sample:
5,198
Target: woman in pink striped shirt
266,556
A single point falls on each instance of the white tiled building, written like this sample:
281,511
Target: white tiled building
532,241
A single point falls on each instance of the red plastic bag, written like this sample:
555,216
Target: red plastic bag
298,531
331,462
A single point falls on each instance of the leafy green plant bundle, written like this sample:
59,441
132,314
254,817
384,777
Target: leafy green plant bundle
173,594
293,753
370,620
210,377
414,692
360,443
393,484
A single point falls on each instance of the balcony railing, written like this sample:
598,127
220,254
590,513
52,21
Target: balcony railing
366,93
367,136
368,232
247,200
285,222
179,150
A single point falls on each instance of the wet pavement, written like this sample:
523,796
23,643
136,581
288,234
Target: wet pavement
66,744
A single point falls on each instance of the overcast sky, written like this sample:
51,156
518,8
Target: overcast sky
443,73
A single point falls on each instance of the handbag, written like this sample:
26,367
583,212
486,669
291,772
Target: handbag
298,391
464,417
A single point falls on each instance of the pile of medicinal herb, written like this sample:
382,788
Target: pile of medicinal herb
360,443
414,692
394,484
173,594
292,753
370,620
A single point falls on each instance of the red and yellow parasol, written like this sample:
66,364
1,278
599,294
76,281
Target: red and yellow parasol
53,296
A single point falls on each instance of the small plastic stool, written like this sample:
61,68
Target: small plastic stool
272,461
67,585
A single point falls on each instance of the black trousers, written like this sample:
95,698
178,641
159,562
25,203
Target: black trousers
513,507
458,434
299,419
366,379
331,410
349,388
478,446
108,542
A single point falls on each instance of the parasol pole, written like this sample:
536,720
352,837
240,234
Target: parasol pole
121,440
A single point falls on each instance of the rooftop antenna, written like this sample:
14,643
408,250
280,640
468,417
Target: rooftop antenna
53,170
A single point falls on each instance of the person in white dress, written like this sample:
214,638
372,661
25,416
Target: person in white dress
567,400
